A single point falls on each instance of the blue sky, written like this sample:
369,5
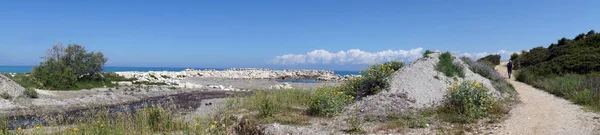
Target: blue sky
282,34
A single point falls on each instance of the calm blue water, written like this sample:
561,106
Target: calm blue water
27,69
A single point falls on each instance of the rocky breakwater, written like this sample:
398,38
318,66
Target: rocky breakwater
173,78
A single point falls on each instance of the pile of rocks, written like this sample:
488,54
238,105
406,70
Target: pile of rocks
239,73
281,86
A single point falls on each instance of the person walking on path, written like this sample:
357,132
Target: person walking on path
509,67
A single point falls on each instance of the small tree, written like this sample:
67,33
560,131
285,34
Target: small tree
65,66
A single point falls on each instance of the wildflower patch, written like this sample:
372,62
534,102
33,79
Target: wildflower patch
470,100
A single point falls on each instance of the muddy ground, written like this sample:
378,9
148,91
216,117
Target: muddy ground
52,101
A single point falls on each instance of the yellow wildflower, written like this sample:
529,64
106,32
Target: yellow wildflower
479,84
196,124
469,99
101,125
75,129
19,129
213,126
214,123
340,93
491,107
318,101
37,127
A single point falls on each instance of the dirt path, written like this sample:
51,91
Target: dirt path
543,113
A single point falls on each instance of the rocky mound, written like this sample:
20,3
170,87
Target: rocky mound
417,85
10,87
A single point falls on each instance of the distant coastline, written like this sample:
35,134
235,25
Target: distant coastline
27,69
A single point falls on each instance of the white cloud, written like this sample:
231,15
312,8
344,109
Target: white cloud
357,56
352,56
503,53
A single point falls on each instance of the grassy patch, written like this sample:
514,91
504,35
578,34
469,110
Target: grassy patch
448,67
413,119
328,101
145,121
287,106
580,89
27,81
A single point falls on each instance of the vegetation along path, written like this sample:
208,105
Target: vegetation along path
543,113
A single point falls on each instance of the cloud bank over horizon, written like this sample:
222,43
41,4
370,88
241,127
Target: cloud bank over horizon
357,56
352,56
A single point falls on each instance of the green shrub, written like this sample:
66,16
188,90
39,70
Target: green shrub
63,67
5,95
493,59
328,101
581,56
158,118
525,75
374,79
584,97
470,100
266,106
448,67
31,93
426,54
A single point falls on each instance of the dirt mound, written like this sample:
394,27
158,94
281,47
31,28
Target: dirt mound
13,89
10,87
417,85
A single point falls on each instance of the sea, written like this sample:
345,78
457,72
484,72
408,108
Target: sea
27,69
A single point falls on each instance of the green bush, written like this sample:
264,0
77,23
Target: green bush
470,100
448,67
5,95
266,106
63,67
426,54
158,118
375,79
328,101
585,97
493,59
581,56
31,93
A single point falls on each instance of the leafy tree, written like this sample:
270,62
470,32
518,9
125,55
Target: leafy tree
63,67
514,56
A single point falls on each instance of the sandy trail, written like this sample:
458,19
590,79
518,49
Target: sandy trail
543,113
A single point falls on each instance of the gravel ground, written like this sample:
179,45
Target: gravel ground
544,113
